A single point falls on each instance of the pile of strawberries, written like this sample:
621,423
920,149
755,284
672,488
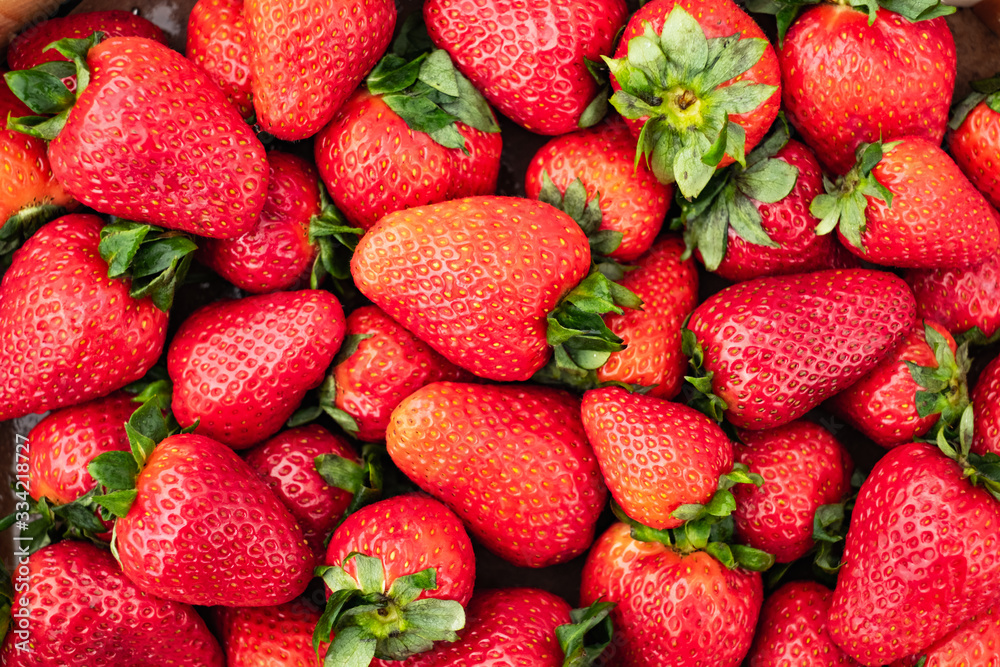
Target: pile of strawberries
412,364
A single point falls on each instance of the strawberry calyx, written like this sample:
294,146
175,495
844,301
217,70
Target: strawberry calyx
597,109
675,80
18,227
726,201
980,469
590,631
845,200
703,400
985,90
42,89
421,85
326,393
154,259
364,479
785,11
77,520
975,336
335,241
371,622
830,524
944,389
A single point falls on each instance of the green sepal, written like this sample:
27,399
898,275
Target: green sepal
42,89
326,395
364,480
573,202
921,662
76,51
980,469
41,523
943,389
985,90
830,523
155,260
704,399
41,127
785,11
597,108
588,633
975,336
21,225
335,241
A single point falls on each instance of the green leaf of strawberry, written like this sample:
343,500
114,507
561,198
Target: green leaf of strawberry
154,259
584,639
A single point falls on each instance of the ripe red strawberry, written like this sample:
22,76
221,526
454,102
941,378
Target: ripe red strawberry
307,58
804,467
199,166
674,608
974,643
287,463
399,573
961,299
774,348
655,455
974,142
91,337
218,40
920,556
78,610
633,203
277,252
904,87
792,629
242,367
986,407
524,478
668,287
907,204
715,98
386,365
756,222
919,386
484,306
537,76
279,636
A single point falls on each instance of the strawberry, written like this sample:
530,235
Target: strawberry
218,40
379,365
907,204
77,609
277,252
804,467
755,221
903,88
241,367
695,96
772,349
919,386
306,59
89,322
974,141
632,202
986,407
792,629
398,575
486,306
655,455
404,141
976,642
675,606
287,463
538,75
920,551
279,636
965,300
512,461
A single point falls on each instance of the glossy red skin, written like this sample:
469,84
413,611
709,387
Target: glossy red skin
846,82
278,636
512,461
384,370
409,534
976,643
960,298
527,59
60,312
525,257
632,201
882,404
828,328
286,463
655,455
373,164
718,18
921,554
205,529
668,288
790,224
26,178
84,612
504,626
986,408
218,40
276,253
183,119
308,57
682,611
66,441
975,147
804,466
937,218
242,366
792,630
